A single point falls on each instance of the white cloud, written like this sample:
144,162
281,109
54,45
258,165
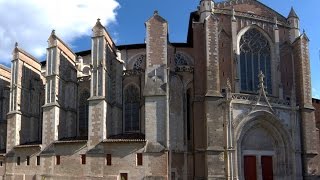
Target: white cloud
315,93
29,22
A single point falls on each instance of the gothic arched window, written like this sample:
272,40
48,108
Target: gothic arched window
84,113
140,62
132,109
180,59
255,55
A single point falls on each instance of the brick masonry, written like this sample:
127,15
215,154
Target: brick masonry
194,119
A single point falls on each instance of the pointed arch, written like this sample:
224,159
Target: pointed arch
280,145
138,61
183,59
255,53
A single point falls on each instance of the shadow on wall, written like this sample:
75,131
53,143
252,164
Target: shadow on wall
32,100
4,109
67,99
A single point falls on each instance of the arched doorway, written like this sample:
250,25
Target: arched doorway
264,148
258,150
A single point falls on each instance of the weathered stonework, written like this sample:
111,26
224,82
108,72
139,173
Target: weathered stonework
163,110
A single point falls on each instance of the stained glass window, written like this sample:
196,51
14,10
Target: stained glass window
254,56
132,109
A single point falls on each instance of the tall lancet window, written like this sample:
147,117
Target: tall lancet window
84,113
254,56
132,109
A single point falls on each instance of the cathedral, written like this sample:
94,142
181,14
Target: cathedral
233,102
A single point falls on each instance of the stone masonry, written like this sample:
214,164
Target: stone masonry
232,102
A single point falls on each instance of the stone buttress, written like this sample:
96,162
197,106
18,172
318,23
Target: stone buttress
23,119
59,111
156,83
309,134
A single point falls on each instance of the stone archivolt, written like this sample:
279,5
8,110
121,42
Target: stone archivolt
160,110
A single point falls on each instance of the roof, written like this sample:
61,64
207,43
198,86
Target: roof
98,26
5,68
227,3
181,45
27,54
131,137
53,34
143,46
132,46
80,139
70,141
293,13
157,17
128,136
314,100
123,140
303,35
83,53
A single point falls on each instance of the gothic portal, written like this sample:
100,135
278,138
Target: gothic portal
232,102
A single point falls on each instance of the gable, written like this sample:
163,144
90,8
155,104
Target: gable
251,6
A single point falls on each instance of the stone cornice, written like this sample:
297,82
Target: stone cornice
251,16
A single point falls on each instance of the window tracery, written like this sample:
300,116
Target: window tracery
180,59
255,55
140,62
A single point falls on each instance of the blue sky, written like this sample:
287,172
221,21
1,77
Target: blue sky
129,27
124,20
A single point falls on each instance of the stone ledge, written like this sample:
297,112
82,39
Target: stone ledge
69,141
124,140
97,98
28,146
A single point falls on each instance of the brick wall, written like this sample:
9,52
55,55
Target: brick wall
316,105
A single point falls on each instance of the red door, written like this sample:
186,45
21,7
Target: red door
250,169
267,171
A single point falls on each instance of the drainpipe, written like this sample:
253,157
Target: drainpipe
229,128
168,122
230,137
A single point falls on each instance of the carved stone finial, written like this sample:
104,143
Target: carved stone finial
233,13
155,12
262,93
53,32
16,44
98,20
275,22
